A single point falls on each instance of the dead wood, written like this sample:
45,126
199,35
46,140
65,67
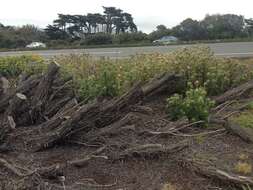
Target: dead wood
4,86
100,115
42,92
166,83
11,115
113,129
234,93
12,168
150,150
23,88
244,133
91,116
84,161
214,173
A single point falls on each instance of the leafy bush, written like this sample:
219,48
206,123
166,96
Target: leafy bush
213,73
13,66
104,84
196,64
195,105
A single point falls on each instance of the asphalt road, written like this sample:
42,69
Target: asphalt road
233,49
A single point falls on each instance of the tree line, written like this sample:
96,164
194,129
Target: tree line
113,21
212,27
115,26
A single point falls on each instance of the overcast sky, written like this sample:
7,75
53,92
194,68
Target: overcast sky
147,13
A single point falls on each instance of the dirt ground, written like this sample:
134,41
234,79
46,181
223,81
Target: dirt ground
159,172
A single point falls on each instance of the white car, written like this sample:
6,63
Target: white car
36,45
166,40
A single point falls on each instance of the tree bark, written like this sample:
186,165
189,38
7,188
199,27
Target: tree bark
234,93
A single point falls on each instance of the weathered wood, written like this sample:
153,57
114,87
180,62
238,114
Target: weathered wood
244,133
23,88
113,129
212,172
42,92
234,93
148,150
4,86
91,116
167,83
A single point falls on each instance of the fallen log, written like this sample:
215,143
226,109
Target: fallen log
113,129
244,133
150,150
91,116
234,93
216,174
166,83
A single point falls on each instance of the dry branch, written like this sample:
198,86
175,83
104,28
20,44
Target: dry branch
149,150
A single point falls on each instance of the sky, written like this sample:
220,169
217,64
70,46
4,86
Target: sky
147,13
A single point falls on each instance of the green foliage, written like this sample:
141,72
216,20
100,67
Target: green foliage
195,105
197,65
13,66
215,74
104,84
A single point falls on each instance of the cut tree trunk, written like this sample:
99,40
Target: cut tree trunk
4,86
234,93
23,88
11,114
42,93
246,133
166,83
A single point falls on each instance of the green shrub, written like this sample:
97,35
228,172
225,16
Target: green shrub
214,74
13,66
195,105
104,84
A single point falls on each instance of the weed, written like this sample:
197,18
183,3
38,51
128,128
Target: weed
195,106
168,186
13,66
244,119
243,167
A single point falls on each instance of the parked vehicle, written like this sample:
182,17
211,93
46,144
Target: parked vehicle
36,45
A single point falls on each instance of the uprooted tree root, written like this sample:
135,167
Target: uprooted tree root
47,105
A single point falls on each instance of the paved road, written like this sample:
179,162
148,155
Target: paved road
235,49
